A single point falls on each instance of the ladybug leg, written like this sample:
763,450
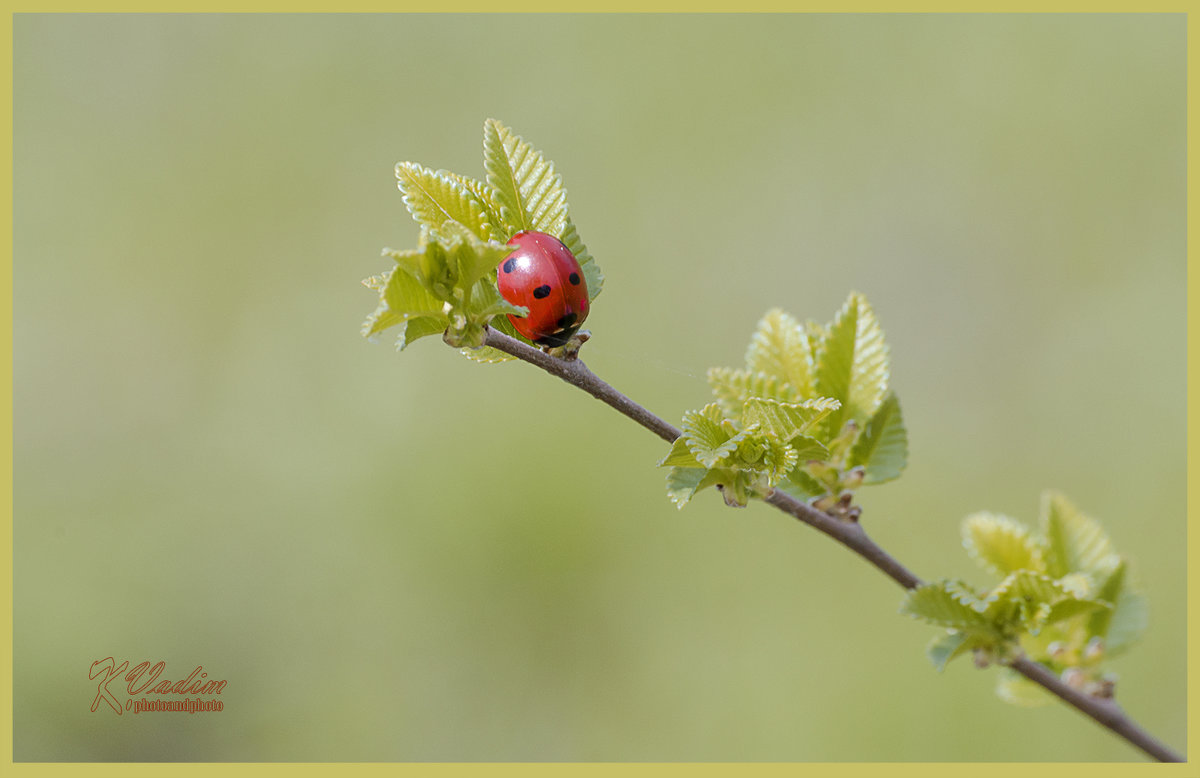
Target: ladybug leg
558,338
569,351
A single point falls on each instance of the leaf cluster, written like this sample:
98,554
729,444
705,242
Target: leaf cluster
447,284
810,414
1064,599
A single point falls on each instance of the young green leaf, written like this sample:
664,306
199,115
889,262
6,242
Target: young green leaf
1075,543
787,420
471,258
487,302
489,355
1124,623
593,278
684,482
801,485
1061,599
1109,590
852,363
378,282
1023,585
486,198
1001,545
447,283
485,355
946,647
405,294
379,320
780,348
527,189
781,458
765,454
946,604
1069,607
736,486
412,329
1016,689
1035,600
1130,617
382,317
706,437
591,271
882,446
807,448
1033,616
964,594
680,455
816,334
733,388
434,197
824,474
1078,584
570,238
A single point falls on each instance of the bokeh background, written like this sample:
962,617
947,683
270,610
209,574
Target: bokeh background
403,557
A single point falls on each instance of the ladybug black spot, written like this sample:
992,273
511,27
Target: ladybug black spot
566,321
542,291
508,265
574,279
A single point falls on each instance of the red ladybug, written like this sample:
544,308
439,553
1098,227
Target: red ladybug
543,275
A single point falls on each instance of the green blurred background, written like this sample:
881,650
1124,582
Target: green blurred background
402,557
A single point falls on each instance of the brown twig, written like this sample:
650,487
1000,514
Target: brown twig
1105,712
849,534
575,373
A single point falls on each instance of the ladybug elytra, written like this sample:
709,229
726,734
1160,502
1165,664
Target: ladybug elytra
543,275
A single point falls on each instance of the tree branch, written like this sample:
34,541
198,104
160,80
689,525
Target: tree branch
575,373
1105,712
850,534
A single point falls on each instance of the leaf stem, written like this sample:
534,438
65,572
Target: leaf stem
850,534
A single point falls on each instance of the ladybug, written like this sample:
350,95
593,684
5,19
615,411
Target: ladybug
543,275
